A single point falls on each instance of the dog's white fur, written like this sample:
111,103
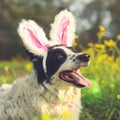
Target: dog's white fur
26,98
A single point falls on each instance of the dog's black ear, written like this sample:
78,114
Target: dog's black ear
37,63
32,57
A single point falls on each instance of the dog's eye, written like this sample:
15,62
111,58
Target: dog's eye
59,56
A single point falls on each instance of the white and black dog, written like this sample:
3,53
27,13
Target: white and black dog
54,85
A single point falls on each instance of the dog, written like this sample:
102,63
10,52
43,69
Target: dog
53,87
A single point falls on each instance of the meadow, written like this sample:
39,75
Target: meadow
102,100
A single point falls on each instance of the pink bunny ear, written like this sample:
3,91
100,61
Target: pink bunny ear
33,37
63,28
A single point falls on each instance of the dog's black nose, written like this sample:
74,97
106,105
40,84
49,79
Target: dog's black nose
83,57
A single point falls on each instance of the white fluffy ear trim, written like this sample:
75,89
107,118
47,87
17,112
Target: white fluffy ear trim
63,28
33,37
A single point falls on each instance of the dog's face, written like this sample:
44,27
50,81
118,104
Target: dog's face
53,60
63,63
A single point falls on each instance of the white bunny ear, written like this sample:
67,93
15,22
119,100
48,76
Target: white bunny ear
63,28
33,37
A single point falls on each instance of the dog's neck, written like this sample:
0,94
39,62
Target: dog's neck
56,96
63,92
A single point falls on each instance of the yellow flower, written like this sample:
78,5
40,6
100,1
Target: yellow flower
118,37
101,34
76,36
90,44
103,81
110,43
118,96
4,80
6,68
101,28
110,59
115,66
75,44
99,46
28,67
112,85
67,115
45,117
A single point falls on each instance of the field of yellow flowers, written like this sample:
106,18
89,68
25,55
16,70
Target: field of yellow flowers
102,100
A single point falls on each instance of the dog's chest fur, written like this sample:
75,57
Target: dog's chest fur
27,98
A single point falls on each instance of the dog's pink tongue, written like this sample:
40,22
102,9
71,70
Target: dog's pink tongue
81,79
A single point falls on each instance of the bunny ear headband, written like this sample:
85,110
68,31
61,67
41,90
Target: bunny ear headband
62,33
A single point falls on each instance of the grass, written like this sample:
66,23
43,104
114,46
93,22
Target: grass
102,101
10,70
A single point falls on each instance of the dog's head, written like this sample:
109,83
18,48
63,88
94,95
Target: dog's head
55,59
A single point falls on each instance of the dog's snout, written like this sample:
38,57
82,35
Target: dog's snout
83,57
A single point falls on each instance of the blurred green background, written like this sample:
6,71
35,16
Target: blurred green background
98,33
89,14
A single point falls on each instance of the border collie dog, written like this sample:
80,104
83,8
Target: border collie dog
54,85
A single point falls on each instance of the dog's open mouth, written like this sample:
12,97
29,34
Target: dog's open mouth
74,77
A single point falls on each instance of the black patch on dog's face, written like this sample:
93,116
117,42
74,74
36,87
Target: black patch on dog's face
55,58
37,62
